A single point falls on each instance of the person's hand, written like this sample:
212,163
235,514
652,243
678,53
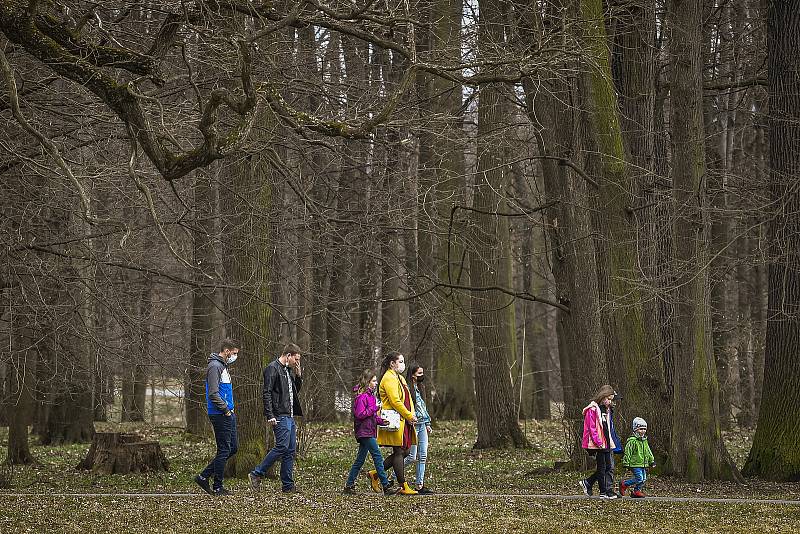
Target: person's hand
413,419
652,464
297,369
228,413
430,430
272,422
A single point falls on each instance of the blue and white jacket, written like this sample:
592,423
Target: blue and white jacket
219,390
420,410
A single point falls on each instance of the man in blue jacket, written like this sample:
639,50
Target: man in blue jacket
219,403
282,382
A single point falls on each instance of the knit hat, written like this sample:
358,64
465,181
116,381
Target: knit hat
638,423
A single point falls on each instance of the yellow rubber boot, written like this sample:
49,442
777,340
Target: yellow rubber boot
374,481
407,490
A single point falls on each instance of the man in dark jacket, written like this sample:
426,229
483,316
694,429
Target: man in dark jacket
282,382
219,404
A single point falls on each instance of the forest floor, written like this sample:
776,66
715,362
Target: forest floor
477,491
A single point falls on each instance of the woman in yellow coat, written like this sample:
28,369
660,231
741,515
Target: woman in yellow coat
394,395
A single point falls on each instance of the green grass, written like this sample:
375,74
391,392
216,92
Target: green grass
453,468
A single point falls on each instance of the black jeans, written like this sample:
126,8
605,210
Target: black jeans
227,445
604,474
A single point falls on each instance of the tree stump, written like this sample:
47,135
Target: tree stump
123,453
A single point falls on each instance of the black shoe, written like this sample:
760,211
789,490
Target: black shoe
290,490
424,491
222,492
349,490
390,489
586,487
203,483
610,495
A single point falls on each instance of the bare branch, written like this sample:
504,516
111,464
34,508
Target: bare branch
49,146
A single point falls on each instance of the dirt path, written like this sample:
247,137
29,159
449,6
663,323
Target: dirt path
721,500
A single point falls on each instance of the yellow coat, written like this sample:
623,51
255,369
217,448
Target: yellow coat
392,397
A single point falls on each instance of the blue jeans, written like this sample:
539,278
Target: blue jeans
419,453
639,476
227,445
367,445
285,446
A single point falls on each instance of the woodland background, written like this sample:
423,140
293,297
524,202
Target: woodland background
530,198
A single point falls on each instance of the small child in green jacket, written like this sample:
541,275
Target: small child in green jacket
637,457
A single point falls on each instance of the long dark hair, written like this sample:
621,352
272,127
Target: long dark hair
412,384
387,361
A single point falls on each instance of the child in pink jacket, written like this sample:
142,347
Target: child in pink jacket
598,441
365,425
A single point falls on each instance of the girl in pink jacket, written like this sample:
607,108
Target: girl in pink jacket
598,441
365,425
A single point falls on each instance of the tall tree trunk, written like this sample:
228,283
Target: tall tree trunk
18,405
70,418
759,310
634,69
134,380
775,454
718,121
249,237
357,60
534,368
490,259
581,347
202,338
440,321
697,450
744,352
631,353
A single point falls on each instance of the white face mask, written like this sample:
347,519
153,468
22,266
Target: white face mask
232,358
401,367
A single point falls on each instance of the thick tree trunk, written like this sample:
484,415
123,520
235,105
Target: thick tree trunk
634,70
581,346
251,265
70,416
697,451
490,260
775,454
631,352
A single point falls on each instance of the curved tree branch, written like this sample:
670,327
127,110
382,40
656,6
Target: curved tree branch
19,23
